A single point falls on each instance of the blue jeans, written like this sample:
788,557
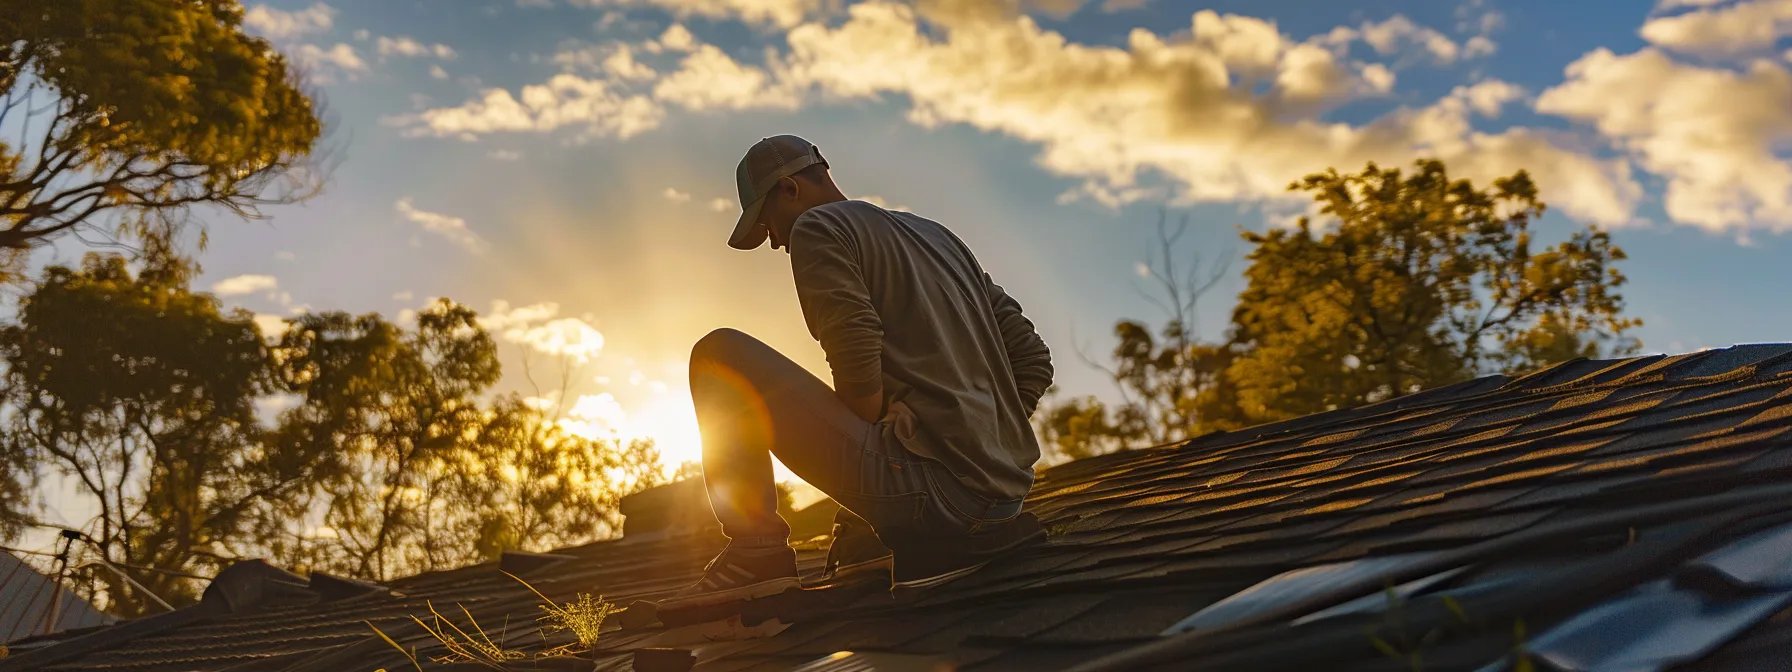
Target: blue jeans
753,402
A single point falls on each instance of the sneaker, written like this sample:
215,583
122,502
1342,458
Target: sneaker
855,551
945,559
739,574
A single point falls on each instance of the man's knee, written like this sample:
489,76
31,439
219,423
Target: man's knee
719,345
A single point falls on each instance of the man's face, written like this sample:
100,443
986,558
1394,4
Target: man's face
782,206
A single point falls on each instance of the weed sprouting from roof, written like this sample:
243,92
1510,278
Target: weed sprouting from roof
583,617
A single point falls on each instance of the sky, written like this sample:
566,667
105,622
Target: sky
565,166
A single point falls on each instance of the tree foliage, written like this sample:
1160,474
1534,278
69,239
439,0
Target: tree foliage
392,456
142,393
133,111
1423,281
1413,281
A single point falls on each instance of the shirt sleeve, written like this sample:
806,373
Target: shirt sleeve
1028,356
836,303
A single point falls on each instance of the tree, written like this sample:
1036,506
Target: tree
133,111
426,474
143,394
1422,281
1160,377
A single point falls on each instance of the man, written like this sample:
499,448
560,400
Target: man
924,437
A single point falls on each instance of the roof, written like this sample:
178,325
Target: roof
32,604
1619,514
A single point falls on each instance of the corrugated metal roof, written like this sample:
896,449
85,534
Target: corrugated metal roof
33,604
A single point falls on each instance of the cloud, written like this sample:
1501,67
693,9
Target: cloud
1230,110
722,204
402,296
454,229
405,46
1398,34
1488,96
780,13
245,284
1722,31
708,79
1228,114
326,62
540,328
597,107
615,60
285,255
676,196
436,72
282,25
676,38
1710,132
504,155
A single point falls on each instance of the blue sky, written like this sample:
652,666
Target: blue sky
555,163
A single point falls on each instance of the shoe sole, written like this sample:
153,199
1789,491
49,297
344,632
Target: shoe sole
747,592
861,568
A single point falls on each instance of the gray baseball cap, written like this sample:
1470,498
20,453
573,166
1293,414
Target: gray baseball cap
770,160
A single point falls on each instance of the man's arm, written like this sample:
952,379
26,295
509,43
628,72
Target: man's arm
837,307
1028,356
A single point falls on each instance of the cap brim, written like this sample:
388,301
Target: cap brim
748,234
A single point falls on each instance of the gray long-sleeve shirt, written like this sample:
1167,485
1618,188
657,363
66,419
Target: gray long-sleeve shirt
895,298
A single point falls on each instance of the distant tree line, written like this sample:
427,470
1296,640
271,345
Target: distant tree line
1406,282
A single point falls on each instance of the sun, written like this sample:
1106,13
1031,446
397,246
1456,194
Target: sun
648,410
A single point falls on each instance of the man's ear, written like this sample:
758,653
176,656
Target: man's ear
789,188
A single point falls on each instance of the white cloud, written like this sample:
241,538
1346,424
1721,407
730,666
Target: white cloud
405,46
504,155
566,100
454,229
1488,96
535,3
285,255
1189,112
676,38
708,79
1710,132
615,60
1722,31
326,62
539,328
249,283
436,72
676,196
282,25
1230,110
361,35
1399,33
622,65
1479,46
722,204
781,13
402,296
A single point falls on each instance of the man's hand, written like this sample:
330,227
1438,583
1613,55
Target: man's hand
867,407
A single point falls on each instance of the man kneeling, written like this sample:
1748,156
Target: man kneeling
923,439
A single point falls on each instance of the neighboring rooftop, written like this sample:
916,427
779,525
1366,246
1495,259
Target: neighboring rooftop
1627,514
34,604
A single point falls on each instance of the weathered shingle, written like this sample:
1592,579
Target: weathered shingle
1545,498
